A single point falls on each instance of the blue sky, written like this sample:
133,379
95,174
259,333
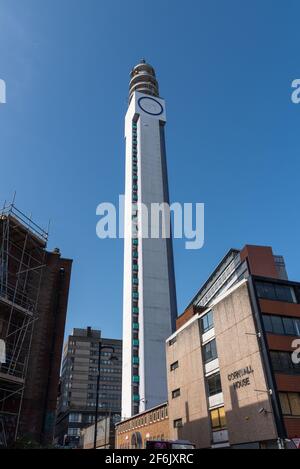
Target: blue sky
225,69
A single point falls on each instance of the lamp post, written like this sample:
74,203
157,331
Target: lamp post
112,357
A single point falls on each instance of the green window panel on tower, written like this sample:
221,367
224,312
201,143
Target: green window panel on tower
135,325
135,360
136,398
134,177
135,310
135,242
135,281
135,267
136,342
135,295
135,379
135,254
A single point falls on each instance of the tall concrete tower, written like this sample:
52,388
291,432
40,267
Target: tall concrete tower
149,302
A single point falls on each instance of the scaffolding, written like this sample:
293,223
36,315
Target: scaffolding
22,259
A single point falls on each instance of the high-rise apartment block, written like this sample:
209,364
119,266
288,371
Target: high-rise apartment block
76,408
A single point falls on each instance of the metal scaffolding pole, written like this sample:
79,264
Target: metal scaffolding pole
22,259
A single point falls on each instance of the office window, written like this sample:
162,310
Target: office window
277,325
214,384
176,393
75,417
210,351
281,325
174,365
207,322
290,403
282,362
289,326
218,418
272,291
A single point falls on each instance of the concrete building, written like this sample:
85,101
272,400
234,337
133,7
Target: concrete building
34,289
105,434
152,424
231,378
149,303
77,403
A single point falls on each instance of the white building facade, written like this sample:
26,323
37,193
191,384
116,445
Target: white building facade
149,301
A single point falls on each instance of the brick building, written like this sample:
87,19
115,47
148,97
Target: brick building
152,424
34,288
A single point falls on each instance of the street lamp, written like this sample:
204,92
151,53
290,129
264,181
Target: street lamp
113,356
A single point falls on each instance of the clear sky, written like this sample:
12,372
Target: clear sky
225,69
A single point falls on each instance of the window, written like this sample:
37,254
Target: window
273,291
218,418
289,326
207,322
290,403
281,325
176,393
214,384
174,365
75,417
177,423
172,341
74,431
210,351
282,362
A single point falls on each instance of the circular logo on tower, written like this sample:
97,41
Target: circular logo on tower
150,106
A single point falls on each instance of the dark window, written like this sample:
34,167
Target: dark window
172,341
268,323
281,325
177,423
277,325
272,291
214,384
173,366
210,351
289,327
207,322
282,362
175,393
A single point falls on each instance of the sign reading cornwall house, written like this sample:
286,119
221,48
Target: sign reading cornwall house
241,378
